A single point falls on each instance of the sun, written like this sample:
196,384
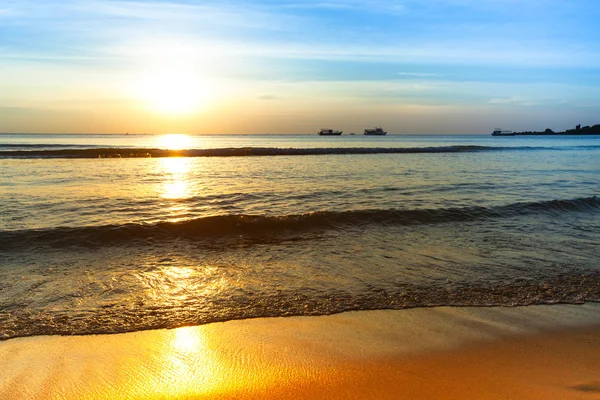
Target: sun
173,91
173,81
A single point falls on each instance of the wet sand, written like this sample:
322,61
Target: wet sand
538,352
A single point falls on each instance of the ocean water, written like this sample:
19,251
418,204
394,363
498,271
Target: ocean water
115,233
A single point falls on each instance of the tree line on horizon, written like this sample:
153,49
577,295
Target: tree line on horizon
579,130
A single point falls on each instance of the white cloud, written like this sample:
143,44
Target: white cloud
213,15
513,101
387,6
418,74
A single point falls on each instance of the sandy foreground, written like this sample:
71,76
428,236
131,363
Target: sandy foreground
538,352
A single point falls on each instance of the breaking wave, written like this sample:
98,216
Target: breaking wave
41,151
257,225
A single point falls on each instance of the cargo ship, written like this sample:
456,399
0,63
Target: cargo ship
329,132
377,131
500,132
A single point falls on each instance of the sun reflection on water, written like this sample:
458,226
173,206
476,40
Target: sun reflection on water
175,172
176,190
176,186
175,141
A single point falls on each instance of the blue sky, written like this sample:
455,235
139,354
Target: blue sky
437,66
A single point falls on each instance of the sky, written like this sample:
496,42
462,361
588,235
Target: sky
296,66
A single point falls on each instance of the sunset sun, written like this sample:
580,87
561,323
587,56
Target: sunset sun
172,81
174,91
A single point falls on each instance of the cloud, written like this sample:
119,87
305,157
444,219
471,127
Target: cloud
513,101
436,31
377,6
417,74
205,16
413,41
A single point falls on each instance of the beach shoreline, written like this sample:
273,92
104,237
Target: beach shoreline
534,352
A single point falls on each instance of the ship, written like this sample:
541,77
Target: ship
377,131
329,132
500,132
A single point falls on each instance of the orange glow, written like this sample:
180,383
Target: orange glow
176,190
176,186
174,141
174,92
174,82
186,340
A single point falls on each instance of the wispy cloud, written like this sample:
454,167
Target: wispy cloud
417,74
492,53
512,101
376,6
444,31
206,15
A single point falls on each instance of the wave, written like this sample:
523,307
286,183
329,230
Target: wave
571,287
254,151
257,225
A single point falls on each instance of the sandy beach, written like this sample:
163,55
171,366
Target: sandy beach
538,352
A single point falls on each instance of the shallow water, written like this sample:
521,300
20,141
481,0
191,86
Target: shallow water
119,244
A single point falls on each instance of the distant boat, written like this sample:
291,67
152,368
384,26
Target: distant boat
500,132
377,131
329,132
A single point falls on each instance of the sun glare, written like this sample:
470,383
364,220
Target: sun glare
174,141
173,81
176,184
175,92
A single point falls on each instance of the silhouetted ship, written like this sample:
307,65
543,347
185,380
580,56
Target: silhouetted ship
500,132
329,132
377,131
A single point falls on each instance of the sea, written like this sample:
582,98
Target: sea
103,234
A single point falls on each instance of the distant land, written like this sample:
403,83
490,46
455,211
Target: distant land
586,130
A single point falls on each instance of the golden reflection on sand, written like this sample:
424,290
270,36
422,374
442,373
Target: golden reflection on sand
189,367
173,364
443,353
187,340
218,362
